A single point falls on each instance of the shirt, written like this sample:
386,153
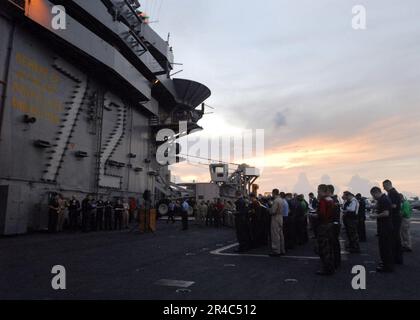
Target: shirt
337,211
108,207
326,210
54,206
185,206
220,207
133,205
384,223
278,206
203,209
395,199
86,205
313,204
100,205
241,207
74,205
362,208
171,206
406,209
286,208
352,206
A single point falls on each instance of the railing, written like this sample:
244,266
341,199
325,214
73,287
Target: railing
127,14
128,11
141,38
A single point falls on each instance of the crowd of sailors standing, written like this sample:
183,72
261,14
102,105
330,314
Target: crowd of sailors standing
284,221
212,213
94,214
280,222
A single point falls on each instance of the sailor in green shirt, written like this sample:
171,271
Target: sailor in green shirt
406,212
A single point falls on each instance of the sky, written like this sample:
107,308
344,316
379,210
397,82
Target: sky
337,105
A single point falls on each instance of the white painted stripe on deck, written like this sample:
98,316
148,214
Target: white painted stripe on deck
174,283
219,252
411,222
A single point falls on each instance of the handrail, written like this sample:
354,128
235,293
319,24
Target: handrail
130,7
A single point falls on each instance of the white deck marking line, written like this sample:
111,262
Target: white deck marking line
411,222
219,252
174,283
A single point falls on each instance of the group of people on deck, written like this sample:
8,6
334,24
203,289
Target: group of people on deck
284,221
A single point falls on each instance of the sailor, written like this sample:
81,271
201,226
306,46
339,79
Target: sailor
361,215
301,222
147,199
336,227
125,213
178,208
277,237
229,209
133,208
253,222
396,217
100,206
406,211
209,213
108,214
313,206
53,211
61,213
118,214
202,213
242,223
383,215
139,207
351,221
219,210
185,208
289,222
147,206
325,215
210,221
171,212
224,213
259,222
86,212
74,209
92,220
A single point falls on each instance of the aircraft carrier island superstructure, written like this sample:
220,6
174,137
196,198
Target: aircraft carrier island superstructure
81,105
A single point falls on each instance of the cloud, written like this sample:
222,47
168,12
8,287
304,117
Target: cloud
326,179
360,185
379,151
303,186
331,100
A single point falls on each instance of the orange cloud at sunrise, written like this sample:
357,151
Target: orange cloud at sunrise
387,148
336,104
